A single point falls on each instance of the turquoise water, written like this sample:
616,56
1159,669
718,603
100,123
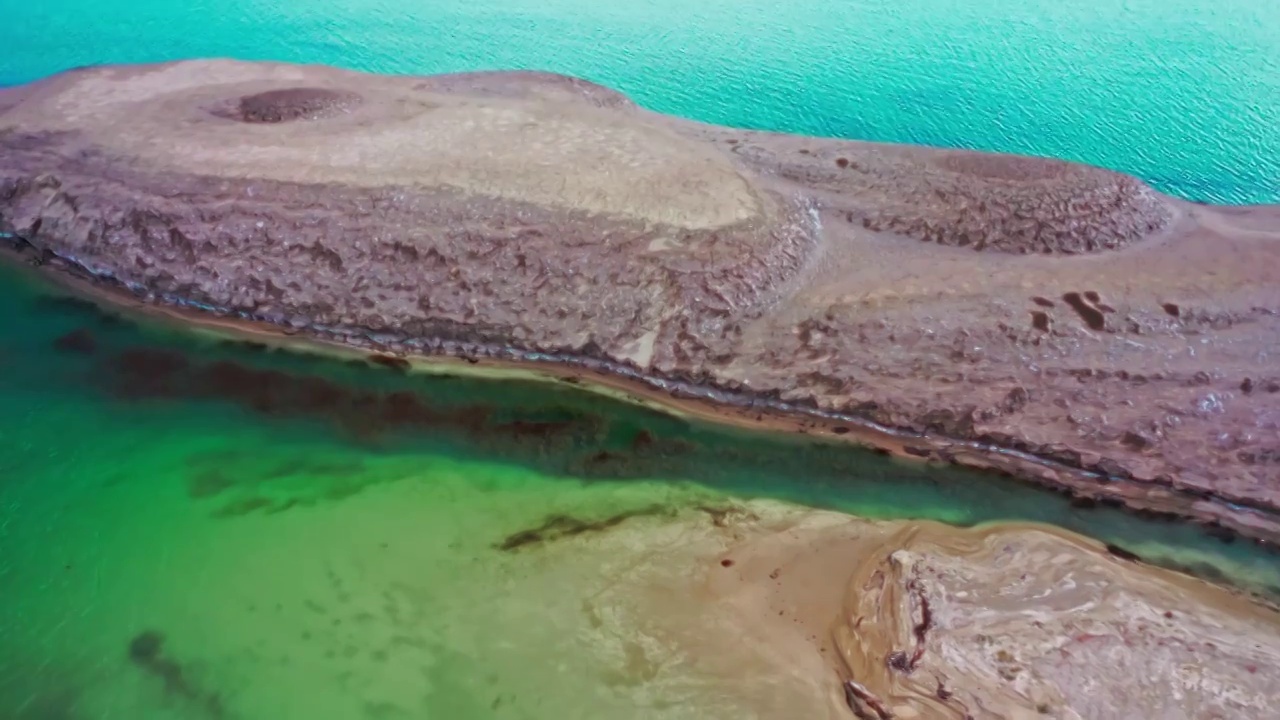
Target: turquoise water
1184,93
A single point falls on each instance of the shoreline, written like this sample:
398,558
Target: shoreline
1217,517
858,625
1047,320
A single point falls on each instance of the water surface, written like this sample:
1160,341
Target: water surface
1184,93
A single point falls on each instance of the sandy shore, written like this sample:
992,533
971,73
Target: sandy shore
779,612
917,626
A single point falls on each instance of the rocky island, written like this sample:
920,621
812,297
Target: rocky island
1060,323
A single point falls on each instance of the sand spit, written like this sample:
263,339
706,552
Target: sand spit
1058,322
770,611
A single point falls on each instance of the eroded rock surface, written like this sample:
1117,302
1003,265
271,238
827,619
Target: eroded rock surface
1023,623
1060,322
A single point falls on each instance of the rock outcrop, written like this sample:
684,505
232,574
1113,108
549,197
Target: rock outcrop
1063,323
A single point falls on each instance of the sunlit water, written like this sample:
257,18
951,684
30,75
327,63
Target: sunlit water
184,537
1184,93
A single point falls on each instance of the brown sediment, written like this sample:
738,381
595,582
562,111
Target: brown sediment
747,281
1015,621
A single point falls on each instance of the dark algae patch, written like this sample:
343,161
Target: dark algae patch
78,342
147,652
562,526
1122,553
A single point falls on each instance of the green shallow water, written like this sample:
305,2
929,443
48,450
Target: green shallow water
318,539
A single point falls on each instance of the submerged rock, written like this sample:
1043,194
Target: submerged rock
1060,322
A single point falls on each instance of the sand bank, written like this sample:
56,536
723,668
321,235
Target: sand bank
770,611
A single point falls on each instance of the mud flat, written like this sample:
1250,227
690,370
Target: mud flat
1058,322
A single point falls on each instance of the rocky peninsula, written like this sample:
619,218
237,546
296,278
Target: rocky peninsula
1060,323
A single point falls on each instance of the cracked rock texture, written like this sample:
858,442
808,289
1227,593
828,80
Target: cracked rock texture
1060,322
1017,622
